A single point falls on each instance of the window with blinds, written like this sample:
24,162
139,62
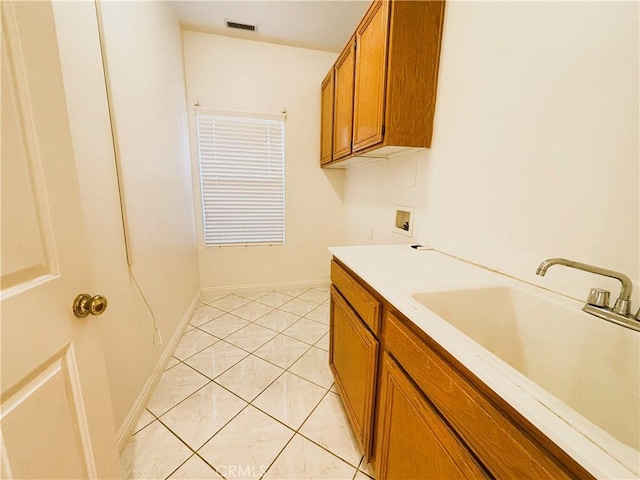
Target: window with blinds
241,178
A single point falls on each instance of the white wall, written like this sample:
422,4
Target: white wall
535,149
372,193
144,51
241,75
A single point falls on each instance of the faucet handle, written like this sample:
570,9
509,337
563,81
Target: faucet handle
598,297
622,306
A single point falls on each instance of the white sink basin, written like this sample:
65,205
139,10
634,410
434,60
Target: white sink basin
591,365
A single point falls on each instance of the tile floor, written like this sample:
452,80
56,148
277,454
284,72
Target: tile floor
248,394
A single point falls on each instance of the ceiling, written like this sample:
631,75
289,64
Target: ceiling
320,25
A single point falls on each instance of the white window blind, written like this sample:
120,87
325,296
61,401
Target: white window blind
242,178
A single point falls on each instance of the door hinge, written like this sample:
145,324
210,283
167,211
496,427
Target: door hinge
383,129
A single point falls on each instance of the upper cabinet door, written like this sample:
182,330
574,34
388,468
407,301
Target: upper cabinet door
343,109
326,129
371,65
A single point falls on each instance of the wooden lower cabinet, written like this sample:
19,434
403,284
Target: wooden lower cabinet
416,411
353,358
413,441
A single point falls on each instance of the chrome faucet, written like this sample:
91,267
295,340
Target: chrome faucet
598,300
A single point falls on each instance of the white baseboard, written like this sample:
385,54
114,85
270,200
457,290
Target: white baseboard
124,433
258,287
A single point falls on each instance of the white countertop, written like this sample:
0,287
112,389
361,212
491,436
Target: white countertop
398,271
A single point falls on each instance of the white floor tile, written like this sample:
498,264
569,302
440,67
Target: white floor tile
208,297
145,419
314,366
249,377
278,320
290,399
303,460
229,302
195,469
252,295
315,295
172,362
196,419
367,468
328,426
247,445
274,299
319,314
252,311
204,314
224,326
298,306
292,291
323,343
154,452
248,442
361,476
307,330
174,386
216,359
251,337
282,350
192,342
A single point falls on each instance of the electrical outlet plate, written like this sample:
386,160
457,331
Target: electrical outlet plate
403,221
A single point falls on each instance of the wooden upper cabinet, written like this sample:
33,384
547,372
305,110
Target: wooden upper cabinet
343,104
371,65
326,119
415,35
386,79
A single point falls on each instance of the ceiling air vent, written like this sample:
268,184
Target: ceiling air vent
240,26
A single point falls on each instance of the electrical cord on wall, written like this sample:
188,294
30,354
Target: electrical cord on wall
157,336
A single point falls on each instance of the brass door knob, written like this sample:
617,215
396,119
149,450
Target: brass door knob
84,304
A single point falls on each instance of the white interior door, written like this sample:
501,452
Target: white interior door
55,405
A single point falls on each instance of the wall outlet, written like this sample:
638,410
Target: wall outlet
403,223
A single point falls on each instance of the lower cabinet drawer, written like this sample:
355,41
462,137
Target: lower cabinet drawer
360,300
486,431
413,442
353,358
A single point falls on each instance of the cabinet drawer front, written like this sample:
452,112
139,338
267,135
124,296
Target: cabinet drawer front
362,301
487,432
353,358
409,428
